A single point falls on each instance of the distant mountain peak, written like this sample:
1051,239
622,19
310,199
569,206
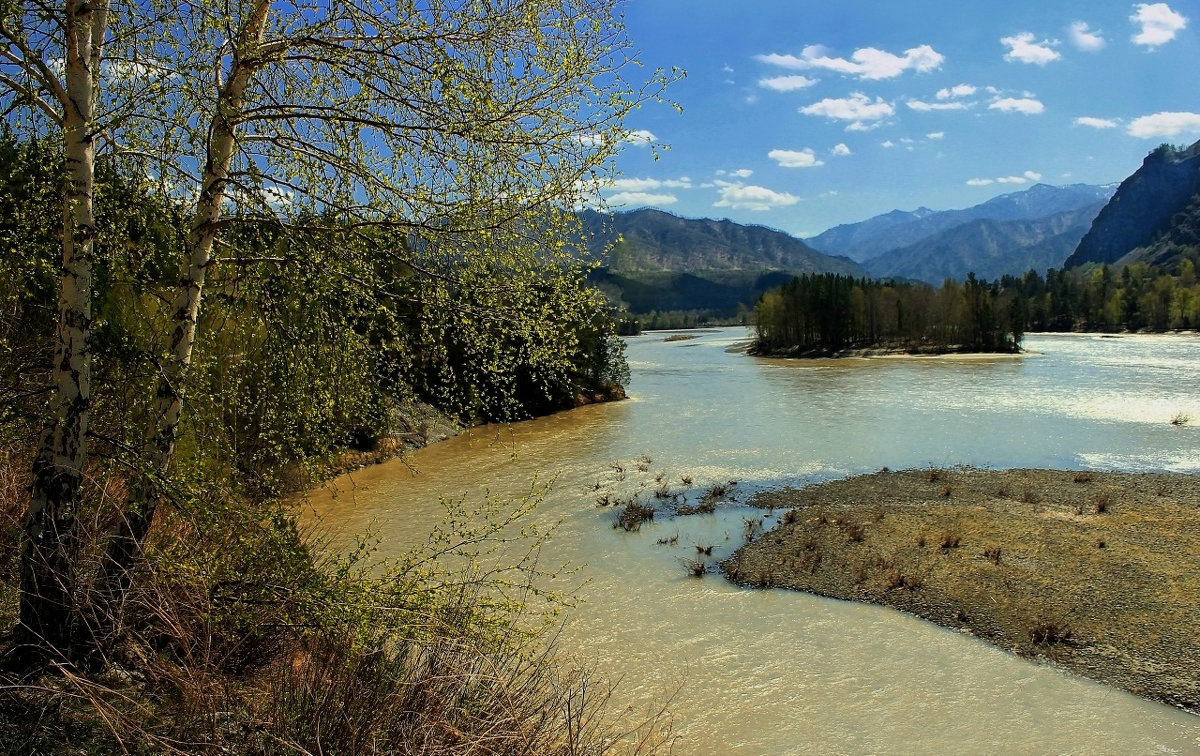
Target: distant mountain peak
873,238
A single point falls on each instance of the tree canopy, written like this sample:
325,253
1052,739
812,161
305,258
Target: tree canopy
313,157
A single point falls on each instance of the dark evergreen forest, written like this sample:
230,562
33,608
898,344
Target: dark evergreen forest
826,314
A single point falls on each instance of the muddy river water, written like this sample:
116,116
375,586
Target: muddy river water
777,672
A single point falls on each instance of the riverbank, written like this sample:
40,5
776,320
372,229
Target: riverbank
1096,572
414,426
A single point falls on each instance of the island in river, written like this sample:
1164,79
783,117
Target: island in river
1096,572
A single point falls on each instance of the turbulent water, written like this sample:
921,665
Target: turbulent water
776,672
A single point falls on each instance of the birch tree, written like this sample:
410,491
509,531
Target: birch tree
466,127
53,70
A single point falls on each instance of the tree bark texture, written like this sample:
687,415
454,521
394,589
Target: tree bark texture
49,604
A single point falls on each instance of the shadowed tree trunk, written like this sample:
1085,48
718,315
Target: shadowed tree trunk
48,607
126,542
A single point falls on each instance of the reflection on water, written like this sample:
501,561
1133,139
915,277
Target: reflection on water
773,672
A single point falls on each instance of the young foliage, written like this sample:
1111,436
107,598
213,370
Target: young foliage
465,129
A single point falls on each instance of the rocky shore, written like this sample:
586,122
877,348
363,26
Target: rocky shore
1096,572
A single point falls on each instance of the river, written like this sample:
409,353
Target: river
779,672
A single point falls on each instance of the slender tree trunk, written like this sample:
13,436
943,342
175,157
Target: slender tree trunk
125,544
48,606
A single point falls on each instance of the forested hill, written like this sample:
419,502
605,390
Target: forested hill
1154,215
653,240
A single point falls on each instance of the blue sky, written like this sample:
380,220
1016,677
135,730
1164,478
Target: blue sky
803,114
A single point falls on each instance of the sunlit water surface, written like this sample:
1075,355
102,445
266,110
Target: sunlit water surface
778,672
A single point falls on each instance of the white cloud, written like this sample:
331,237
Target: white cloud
948,98
647,184
857,108
1026,105
925,107
1165,124
805,158
865,63
739,173
277,197
640,137
751,197
1096,123
787,83
841,150
957,91
1084,38
935,135
889,144
588,140
642,198
1024,178
1023,49
1159,24
863,126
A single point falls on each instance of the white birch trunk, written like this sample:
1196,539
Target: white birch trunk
126,544
48,606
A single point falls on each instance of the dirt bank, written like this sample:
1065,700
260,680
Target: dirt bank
1096,572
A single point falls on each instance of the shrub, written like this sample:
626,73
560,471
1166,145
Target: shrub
632,515
1048,633
897,579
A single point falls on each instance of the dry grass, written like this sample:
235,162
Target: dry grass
236,639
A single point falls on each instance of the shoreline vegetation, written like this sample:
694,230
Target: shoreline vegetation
1094,572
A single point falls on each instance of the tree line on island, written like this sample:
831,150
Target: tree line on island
829,314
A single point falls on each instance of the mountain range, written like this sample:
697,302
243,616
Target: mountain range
653,260
898,229
1034,229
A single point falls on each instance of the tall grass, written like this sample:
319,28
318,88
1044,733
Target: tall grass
244,635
